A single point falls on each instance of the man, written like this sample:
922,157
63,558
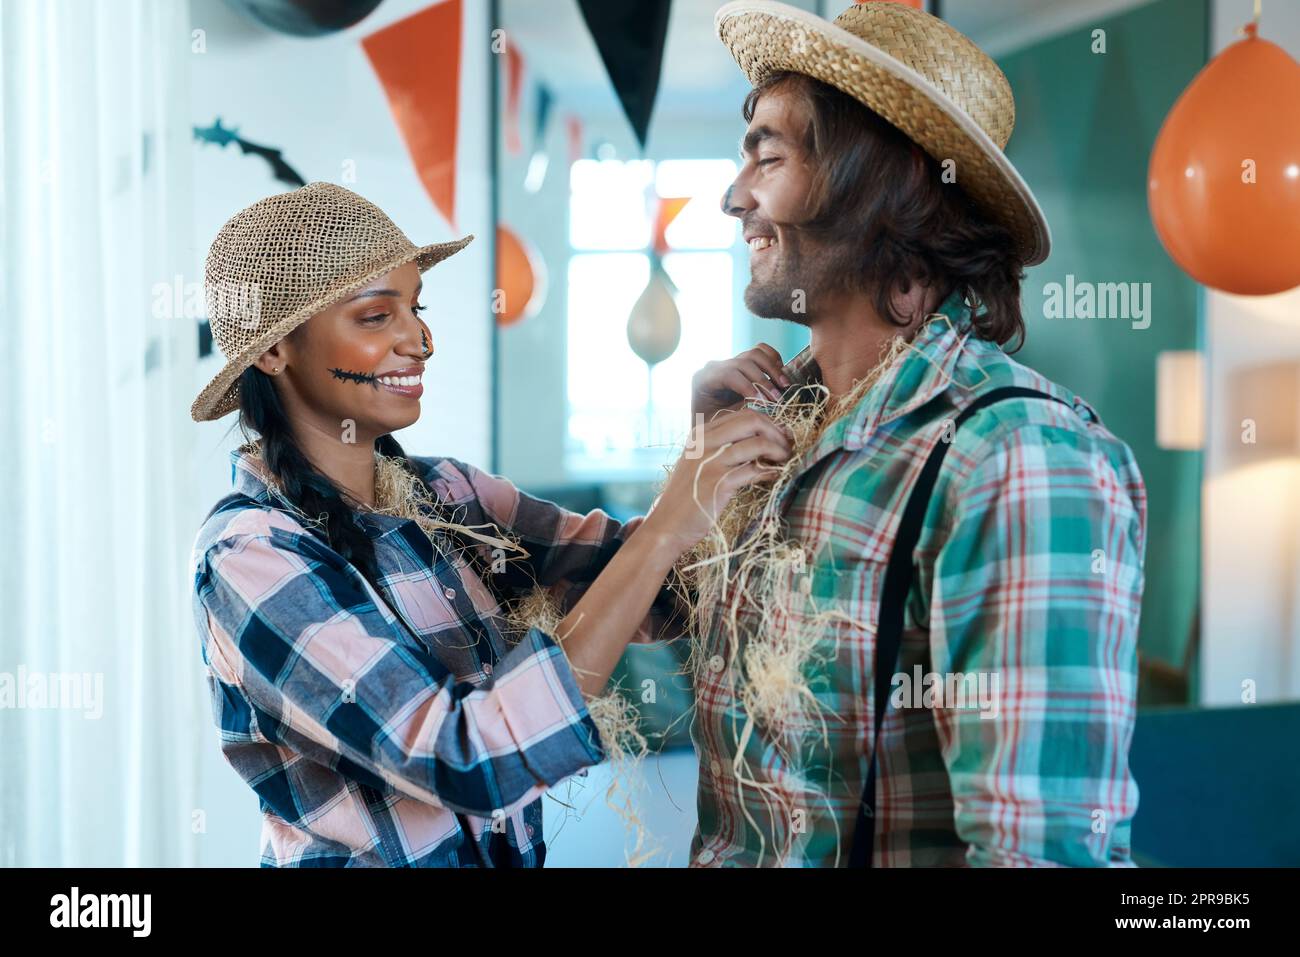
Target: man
877,204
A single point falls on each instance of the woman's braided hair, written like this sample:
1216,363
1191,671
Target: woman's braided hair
305,488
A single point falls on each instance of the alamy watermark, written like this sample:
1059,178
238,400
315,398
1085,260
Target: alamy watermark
1098,300
75,909
53,690
960,691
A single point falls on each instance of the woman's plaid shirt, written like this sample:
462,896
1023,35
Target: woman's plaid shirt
402,728
1029,579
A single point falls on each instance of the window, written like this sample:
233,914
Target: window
623,419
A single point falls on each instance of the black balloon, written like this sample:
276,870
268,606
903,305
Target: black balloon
306,18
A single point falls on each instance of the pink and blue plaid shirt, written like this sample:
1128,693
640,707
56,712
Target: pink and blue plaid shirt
399,728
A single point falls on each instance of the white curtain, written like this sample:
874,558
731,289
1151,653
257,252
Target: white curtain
96,525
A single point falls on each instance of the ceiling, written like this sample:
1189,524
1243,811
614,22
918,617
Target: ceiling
702,84
1001,26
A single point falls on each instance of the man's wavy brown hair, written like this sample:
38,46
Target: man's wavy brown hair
879,203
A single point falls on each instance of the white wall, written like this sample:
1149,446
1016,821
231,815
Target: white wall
320,102
1251,548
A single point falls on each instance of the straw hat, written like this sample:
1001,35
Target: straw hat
919,74
285,258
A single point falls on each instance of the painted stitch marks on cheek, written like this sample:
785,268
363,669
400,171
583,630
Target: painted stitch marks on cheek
358,377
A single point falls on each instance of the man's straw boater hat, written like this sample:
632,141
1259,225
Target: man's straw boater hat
916,72
279,262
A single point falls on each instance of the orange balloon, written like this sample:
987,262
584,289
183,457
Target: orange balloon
1224,181
521,278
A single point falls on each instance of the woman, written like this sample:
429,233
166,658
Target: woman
349,597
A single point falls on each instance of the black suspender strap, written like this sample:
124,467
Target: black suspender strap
893,599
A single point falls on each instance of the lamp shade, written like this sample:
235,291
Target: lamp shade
1180,400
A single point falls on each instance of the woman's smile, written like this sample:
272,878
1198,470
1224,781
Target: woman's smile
403,382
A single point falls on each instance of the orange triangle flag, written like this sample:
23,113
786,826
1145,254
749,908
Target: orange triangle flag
417,59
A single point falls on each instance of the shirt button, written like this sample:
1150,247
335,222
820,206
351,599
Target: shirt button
487,667
716,767
705,857
528,829
450,593
716,664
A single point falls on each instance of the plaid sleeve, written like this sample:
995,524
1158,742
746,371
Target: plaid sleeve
1037,589
325,673
567,550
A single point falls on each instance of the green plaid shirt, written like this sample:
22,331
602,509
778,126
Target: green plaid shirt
1028,588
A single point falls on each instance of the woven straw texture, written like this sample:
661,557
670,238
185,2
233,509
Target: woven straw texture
285,258
932,83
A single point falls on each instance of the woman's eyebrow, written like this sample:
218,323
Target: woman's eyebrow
376,293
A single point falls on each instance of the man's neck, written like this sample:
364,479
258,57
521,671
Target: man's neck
850,337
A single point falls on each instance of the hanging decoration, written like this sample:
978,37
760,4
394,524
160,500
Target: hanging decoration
542,115
654,327
667,209
575,135
305,18
417,60
514,93
539,161
629,36
521,278
1224,179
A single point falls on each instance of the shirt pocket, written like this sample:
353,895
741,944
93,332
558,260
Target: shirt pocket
829,615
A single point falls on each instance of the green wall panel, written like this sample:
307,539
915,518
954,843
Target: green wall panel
1086,123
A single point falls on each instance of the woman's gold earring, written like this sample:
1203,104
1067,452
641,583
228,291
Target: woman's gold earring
275,370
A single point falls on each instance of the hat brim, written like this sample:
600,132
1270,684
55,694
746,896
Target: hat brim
767,37
221,396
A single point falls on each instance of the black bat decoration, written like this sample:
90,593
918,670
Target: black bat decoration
223,136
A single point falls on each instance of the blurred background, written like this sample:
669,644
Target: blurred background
586,144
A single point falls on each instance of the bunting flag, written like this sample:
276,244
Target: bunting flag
514,90
630,36
417,60
537,164
666,211
542,116
573,126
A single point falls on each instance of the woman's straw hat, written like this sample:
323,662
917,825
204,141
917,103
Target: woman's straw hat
279,262
919,74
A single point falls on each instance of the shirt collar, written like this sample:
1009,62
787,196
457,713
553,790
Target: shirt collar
246,476
924,371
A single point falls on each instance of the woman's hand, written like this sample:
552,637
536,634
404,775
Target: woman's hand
722,456
727,384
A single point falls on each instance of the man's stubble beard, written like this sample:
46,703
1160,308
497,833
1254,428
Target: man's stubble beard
802,277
